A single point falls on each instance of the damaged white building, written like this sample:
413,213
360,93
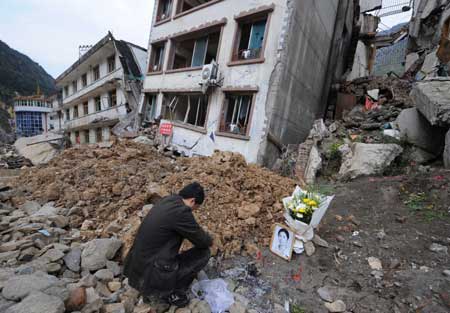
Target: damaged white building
276,61
101,89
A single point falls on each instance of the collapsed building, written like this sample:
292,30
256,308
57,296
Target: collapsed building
101,90
243,76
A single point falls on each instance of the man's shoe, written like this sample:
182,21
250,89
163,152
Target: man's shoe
178,299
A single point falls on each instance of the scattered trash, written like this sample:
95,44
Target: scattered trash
215,292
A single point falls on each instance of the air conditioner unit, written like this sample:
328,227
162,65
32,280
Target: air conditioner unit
209,73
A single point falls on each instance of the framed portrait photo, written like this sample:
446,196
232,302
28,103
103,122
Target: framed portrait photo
282,243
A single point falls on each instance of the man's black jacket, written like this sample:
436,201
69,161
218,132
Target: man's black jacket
153,256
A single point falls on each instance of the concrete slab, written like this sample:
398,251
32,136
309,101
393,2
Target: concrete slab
432,99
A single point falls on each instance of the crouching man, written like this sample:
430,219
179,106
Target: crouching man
154,265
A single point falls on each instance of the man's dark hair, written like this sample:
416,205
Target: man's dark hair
283,231
194,190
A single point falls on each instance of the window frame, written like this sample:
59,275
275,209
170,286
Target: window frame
74,86
108,61
112,94
179,14
154,45
67,113
237,92
96,70
201,129
251,17
194,34
85,108
98,131
76,113
96,104
87,139
169,15
84,80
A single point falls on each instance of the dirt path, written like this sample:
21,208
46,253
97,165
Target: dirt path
394,219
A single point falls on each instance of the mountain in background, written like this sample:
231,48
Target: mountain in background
18,73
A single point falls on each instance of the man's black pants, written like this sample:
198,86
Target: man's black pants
190,263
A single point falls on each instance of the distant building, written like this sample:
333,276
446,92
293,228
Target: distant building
31,115
101,89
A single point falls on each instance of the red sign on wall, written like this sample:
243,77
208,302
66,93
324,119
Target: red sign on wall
166,129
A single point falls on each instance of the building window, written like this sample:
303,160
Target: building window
187,108
112,98
96,73
77,137
86,136
98,104
195,51
150,108
250,37
74,86
99,135
75,112
66,91
85,108
84,80
157,57
67,114
164,10
235,115
112,63
186,5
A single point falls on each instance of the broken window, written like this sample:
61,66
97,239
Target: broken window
250,38
86,136
112,63
235,116
164,9
98,104
187,108
150,108
96,72
74,86
112,98
186,5
75,111
196,50
85,108
98,135
84,80
157,57
67,114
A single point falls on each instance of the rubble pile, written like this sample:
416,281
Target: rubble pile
10,159
104,190
243,201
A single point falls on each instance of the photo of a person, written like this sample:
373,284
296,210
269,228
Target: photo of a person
282,242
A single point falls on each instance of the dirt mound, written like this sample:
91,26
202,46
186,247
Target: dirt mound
242,203
105,185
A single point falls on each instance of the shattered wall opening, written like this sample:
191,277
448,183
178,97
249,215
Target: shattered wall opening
186,108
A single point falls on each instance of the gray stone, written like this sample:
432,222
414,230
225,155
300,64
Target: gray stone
11,255
411,58
446,155
420,156
144,140
237,307
47,210
327,293
336,307
446,273
416,130
97,252
18,287
14,245
432,99
114,267
59,220
53,255
318,241
58,291
435,247
201,307
5,304
73,259
38,302
104,275
30,207
114,308
310,249
367,159
278,308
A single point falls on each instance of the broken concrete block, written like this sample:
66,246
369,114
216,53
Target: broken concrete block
367,159
432,99
34,149
429,65
416,130
410,60
314,165
446,155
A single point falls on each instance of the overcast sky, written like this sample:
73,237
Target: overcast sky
50,31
